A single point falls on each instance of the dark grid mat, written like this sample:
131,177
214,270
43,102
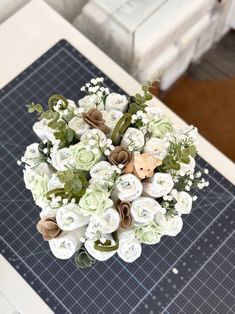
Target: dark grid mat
203,253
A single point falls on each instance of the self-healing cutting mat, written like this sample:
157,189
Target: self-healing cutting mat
191,273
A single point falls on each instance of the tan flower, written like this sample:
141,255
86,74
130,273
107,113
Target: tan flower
95,119
119,155
126,218
48,228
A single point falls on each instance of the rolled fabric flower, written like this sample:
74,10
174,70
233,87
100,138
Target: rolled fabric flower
184,201
143,209
171,226
61,159
129,247
159,127
119,156
103,170
67,243
150,233
48,228
111,118
78,125
157,147
159,185
95,135
133,139
95,200
83,259
95,119
126,219
127,188
32,156
43,131
86,103
116,101
98,255
69,217
109,220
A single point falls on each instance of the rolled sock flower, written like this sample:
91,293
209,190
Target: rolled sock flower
129,247
127,188
69,217
109,220
98,255
103,170
78,125
157,147
67,243
116,101
111,118
159,185
171,226
44,132
133,139
184,201
143,209
61,159
86,103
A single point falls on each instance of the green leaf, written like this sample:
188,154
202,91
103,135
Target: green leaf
148,96
175,165
74,186
39,108
65,176
185,160
30,110
70,135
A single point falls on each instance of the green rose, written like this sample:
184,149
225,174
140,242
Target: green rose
159,128
84,159
149,234
95,200
39,187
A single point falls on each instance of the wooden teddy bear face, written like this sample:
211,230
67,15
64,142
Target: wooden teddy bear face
143,165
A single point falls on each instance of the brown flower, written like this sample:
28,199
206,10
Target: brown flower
48,228
95,119
126,219
119,156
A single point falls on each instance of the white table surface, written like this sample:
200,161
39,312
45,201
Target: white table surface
24,38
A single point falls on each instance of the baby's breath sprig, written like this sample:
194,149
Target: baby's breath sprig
168,203
96,90
189,181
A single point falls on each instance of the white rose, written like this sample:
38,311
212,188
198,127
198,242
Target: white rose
133,139
64,246
78,125
159,185
32,155
61,159
143,209
108,220
98,255
95,135
171,226
127,188
129,247
187,168
184,201
31,174
43,131
111,118
156,147
116,101
69,217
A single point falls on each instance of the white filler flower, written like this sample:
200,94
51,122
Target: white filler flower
159,185
129,247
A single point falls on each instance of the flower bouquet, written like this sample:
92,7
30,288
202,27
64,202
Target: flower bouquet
109,175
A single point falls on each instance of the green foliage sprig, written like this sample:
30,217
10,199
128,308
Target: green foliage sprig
138,102
34,107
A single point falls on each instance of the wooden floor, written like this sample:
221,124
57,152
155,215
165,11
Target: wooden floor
218,62
205,95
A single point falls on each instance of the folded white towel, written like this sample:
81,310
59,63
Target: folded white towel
67,244
69,217
143,209
116,101
171,226
159,185
78,125
127,188
129,247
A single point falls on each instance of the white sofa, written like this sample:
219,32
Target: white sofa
154,38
